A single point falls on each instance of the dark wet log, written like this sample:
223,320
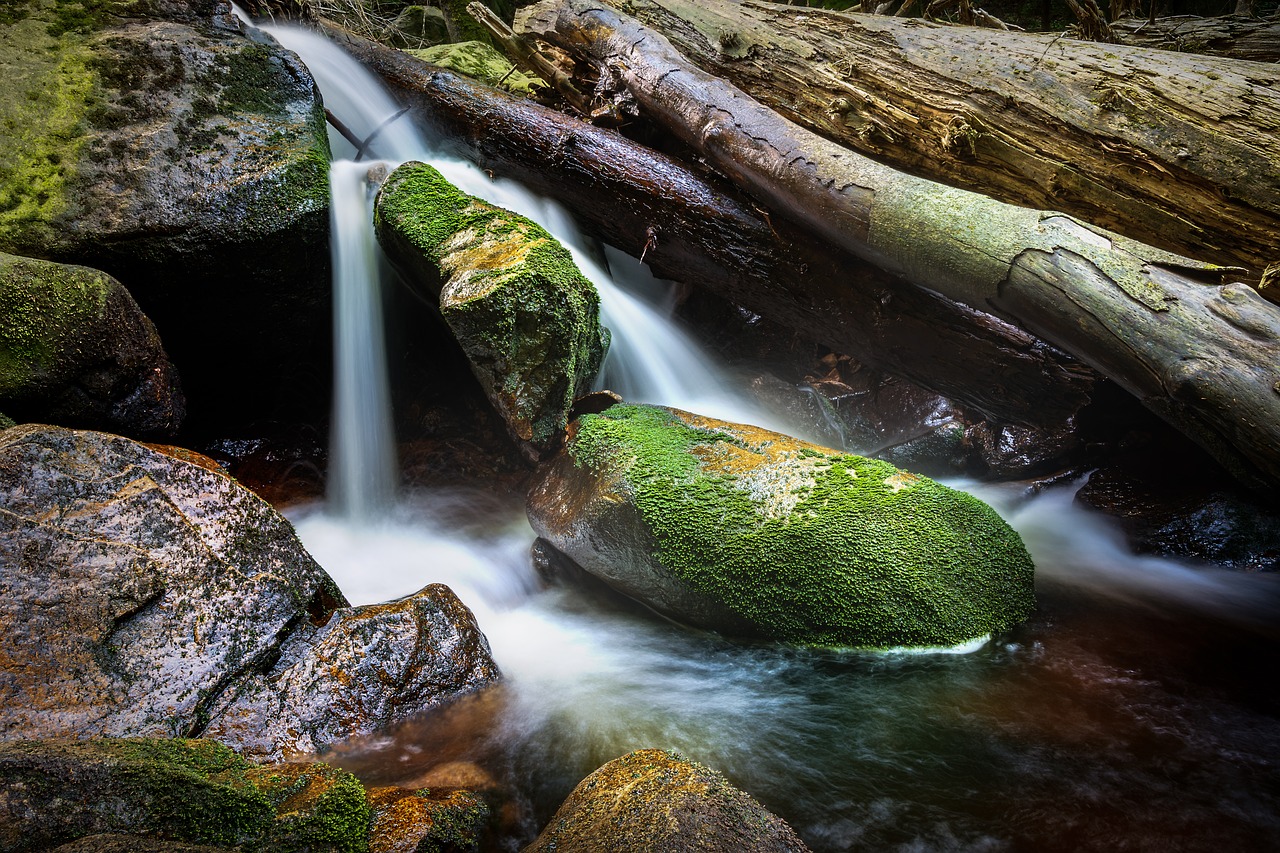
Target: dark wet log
622,192
1177,151
1204,357
1232,37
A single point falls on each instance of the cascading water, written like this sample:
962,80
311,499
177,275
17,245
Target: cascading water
1126,714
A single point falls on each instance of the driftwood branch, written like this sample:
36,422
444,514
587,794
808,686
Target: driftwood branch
1203,356
621,191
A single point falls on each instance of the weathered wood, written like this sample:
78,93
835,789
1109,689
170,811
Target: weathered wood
1231,37
622,192
1204,357
1177,151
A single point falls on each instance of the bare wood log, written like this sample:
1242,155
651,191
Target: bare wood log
526,57
1175,151
1236,37
1204,357
622,192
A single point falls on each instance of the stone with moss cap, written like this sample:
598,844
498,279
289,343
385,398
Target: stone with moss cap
482,62
527,319
651,799
75,349
756,534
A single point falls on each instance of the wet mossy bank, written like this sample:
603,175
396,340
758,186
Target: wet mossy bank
756,534
141,791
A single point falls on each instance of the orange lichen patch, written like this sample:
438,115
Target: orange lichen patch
186,456
902,480
409,820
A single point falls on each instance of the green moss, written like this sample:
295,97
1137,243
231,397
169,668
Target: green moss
6,421
813,546
190,790
43,305
318,807
43,104
511,293
482,62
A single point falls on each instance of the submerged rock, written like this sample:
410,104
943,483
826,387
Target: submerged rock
75,349
656,800
143,594
164,144
527,319
756,534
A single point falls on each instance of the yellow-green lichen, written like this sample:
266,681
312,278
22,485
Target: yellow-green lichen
47,93
854,553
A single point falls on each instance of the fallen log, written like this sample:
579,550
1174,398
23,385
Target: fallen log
624,194
1176,151
1204,357
1231,37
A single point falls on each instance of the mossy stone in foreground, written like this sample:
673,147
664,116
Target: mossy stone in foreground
527,319
57,790
757,534
656,800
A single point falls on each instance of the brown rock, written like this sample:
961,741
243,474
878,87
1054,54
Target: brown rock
656,800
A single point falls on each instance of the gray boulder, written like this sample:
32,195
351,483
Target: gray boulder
144,594
75,349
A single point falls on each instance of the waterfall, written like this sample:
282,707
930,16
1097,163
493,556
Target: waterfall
362,458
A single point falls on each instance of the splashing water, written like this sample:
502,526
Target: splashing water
1136,720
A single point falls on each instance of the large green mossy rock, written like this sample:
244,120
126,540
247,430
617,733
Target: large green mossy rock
656,800
160,141
756,534
527,319
75,349
176,790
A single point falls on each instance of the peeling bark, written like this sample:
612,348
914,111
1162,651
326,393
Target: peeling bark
622,192
1204,357
1176,151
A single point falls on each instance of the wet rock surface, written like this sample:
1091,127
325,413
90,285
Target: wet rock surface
364,670
755,534
1186,508
525,316
75,349
144,594
408,821
656,800
165,144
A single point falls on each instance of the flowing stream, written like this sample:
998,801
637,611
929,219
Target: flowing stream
1136,710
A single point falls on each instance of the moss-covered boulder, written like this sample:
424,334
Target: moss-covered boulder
656,800
107,791
527,319
165,144
146,594
480,61
757,534
75,349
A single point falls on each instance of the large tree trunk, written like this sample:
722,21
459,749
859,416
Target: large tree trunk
625,193
1204,357
1173,150
1236,37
